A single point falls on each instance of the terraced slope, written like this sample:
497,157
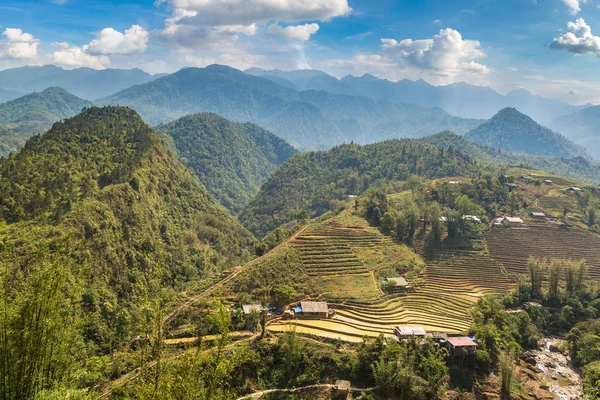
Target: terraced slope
512,247
347,248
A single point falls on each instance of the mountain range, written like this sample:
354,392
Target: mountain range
459,99
87,83
306,119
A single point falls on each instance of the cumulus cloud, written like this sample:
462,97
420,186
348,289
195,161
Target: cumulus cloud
440,59
110,41
218,23
18,45
578,40
575,5
298,32
446,54
79,57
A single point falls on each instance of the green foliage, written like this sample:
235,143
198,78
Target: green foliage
231,159
36,112
315,181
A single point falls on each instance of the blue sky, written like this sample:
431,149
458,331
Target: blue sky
550,47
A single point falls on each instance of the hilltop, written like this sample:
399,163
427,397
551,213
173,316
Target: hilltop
314,182
308,120
516,132
232,159
36,112
117,218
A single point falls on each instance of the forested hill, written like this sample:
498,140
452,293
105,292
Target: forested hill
231,159
99,222
309,120
36,112
314,182
516,132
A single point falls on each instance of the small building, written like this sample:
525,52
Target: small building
342,387
396,284
314,309
459,346
509,222
252,308
406,332
538,215
472,218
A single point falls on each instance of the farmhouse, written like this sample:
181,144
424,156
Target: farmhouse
406,332
396,284
313,309
458,346
537,215
509,222
251,308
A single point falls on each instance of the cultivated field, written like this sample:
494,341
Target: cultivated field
512,247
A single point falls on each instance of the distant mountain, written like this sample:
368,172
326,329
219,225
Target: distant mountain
513,131
87,83
576,167
233,160
307,119
7,95
36,112
314,182
583,127
459,99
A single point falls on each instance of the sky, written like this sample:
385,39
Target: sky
549,47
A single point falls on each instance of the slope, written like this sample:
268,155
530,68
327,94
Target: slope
232,159
86,83
36,112
102,196
314,182
582,128
518,133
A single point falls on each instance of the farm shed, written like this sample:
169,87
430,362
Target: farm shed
396,284
461,345
314,309
250,308
405,332
538,215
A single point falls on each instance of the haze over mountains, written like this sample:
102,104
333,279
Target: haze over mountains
311,109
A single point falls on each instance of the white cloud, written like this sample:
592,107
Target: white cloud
110,41
446,54
298,32
78,57
575,5
578,40
216,24
18,45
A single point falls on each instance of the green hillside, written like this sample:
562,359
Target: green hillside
313,182
515,132
232,159
100,221
36,112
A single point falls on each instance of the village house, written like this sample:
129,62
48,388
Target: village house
509,222
538,215
312,310
251,308
406,332
459,346
396,284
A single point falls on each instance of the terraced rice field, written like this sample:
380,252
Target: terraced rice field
512,247
454,281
